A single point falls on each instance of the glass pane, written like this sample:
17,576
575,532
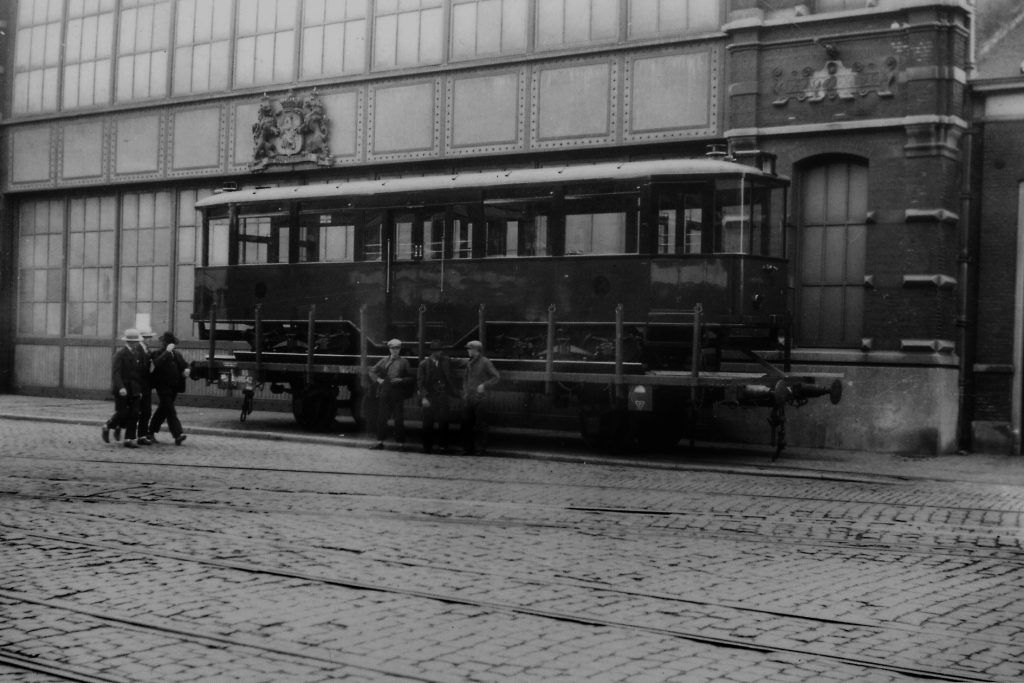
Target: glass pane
833,319
811,256
813,195
837,194
219,240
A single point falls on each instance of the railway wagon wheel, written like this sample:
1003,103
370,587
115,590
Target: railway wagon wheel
315,406
357,405
604,427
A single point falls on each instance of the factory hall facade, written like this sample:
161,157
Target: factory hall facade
120,115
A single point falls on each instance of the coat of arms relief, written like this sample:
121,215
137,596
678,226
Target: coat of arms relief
291,131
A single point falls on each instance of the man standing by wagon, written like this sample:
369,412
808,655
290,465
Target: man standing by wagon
395,383
436,389
480,375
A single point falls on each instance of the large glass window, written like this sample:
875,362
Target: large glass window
146,220
648,18
408,33
92,253
187,257
482,28
88,53
265,46
202,45
143,39
40,268
333,37
37,55
562,23
832,252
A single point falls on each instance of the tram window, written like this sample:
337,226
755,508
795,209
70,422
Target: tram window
337,243
515,229
462,238
327,237
732,218
680,223
371,235
433,237
220,241
601,224
749,219
257,242
406,247
595,233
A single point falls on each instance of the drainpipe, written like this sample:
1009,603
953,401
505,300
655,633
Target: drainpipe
970,239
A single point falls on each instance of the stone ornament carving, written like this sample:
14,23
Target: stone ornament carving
291,131
834,81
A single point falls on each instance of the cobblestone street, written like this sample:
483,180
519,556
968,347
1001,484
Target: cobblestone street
258,560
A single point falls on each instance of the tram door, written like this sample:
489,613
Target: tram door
428,243
415,267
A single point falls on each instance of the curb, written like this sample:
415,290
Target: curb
773,470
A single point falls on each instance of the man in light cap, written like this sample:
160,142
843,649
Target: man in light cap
480,375
126,383
395,383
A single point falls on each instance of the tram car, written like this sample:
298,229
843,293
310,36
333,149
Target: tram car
619,289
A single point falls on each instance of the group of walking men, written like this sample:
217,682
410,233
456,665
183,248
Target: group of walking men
438,393
136,373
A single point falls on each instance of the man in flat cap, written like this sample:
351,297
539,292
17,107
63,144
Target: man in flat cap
395,383
480,376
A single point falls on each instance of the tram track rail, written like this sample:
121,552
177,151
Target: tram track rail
1011,507
693,513
926,673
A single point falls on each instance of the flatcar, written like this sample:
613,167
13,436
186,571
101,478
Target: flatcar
618,286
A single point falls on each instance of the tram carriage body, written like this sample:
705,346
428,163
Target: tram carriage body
501,255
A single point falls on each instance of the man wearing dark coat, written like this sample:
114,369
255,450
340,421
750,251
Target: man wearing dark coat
126,383
436,388
170,369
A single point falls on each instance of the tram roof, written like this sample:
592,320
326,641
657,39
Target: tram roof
523,176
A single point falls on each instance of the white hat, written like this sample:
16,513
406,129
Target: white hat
395,343
131,334
146,332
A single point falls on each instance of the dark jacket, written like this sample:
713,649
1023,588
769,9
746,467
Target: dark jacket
479,371
434,378
168,370
389,368
126,371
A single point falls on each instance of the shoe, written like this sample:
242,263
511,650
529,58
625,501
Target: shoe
130,443
178,439
144,441
105,433
377,446
117,433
